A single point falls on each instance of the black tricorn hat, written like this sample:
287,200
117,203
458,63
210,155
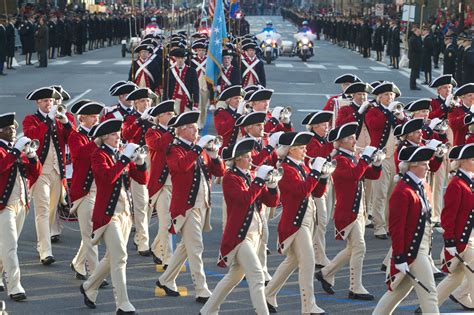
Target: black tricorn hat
235,90
44,92
243,146
317,117
295,138
343,131
443,80
88,108
7,119
106,127
461,152
163,107
409,126
251,119
415,153
185,118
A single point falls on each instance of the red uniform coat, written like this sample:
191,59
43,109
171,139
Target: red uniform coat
273,125
406,223
118,112
110,176
158,140
296,186
438,109
435,162
185,172
470,138
37,127
242,198
456,122
349,114
224,120
330,103
318,147
134,129
457,217
10,165
81,148
263,153
348,181
380,123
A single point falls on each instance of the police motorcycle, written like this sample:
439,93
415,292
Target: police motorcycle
270,43
304,48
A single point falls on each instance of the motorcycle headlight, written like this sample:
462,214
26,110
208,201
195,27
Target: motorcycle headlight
268,41
299,44
310,45
305,41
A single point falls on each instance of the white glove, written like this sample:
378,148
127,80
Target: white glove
20,143
272,184
434,122
139,160
392,105
241,107
145,114
318,164
379,157
52,112
472,109
263,170
449,100
441,151
369,151
403,268
276,112
363,107
130,149
107,109
205,140
433,144
63,118
451,250
213,153
273,140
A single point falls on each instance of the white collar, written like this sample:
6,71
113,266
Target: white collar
354,102
415,178
468,174
85,128
126,107
412,143
186,141
245,172
112,148
43,113
346,151
163,126
7,143
294,160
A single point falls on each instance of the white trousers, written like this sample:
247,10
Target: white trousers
190,247
12,218
141,215
381,191
319,232
162,246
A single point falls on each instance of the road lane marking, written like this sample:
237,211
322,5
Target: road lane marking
347,67
91,62
283,65
59,62
122,62
72,101
380,68
313,66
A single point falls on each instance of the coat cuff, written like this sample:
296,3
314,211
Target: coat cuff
273,191
142,167
366,158
269,149
315,174
274,121
33,160
67,125
16,152
196,149
125,160
399,259
449,242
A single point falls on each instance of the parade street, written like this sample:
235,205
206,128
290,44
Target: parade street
305,86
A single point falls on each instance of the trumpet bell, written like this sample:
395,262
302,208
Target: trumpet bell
143,150
34,144
275,175
329,167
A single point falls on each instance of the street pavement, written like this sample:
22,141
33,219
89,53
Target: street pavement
304,86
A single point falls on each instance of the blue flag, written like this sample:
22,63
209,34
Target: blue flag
218,36
234,7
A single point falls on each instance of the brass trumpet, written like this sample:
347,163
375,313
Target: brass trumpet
442,126
398,109
328,167
275,175
141,152
215,143
33,145
379,155
286,113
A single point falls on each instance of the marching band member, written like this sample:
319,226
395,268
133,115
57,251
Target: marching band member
456,116
111,218
245,194
158,138
225,118
198,63
410,230
469,122
318,124
229,75
52,128
83,187
145,71
191,169
133,131
441,105
431,130
123,108
456,220
380,121
252,69
298,186
181,84
20,169
350,213
344,80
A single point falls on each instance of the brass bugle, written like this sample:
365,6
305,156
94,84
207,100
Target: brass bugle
215,143
286,113
61,110
33,145
442,126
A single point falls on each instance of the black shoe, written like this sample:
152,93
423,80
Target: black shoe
104,284
383,268
144,253
201,299
156,260
268,252
364,297
439,275
418,310
54,238
87,301
381,236
165,267
3,73
2,288
415,88
18,297
369,226
266,282
79,276
318,266
168,291
119,311
326,285
48,260
463,306
271,309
